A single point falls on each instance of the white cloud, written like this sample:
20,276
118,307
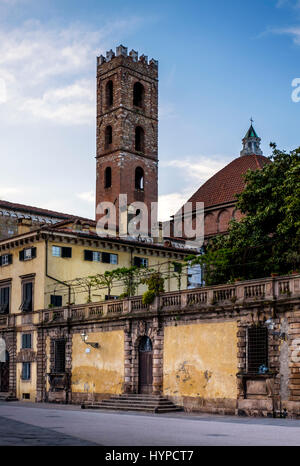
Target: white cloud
169,204
18,192
199,168
74,104
294,32
46,72
87,196
288,3
194,172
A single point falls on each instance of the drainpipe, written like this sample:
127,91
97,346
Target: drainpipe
69,299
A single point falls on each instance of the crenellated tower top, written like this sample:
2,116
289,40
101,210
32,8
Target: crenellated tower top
133,60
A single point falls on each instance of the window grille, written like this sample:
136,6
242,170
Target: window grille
257,350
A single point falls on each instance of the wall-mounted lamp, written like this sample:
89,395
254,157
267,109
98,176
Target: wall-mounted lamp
84,338
270,326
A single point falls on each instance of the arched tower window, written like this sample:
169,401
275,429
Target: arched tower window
139,139
109,94
107,177
138,95
139,178
108,136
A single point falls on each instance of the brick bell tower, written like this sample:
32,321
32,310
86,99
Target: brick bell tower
127,129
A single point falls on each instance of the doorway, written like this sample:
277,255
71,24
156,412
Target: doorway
4,374
145,366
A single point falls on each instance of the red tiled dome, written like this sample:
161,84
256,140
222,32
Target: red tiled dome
226,183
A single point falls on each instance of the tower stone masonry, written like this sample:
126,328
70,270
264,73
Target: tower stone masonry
127,129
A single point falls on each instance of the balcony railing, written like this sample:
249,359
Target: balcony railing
237,294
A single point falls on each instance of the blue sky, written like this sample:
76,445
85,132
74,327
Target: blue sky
220,63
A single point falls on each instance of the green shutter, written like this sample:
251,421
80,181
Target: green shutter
88,255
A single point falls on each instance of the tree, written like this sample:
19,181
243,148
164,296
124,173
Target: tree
267,239
155,282
104,280
131,277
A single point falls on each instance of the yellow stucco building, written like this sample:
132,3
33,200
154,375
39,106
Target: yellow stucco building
48,268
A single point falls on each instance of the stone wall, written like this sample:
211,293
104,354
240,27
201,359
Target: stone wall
200,348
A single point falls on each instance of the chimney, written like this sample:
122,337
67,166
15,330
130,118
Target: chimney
24,225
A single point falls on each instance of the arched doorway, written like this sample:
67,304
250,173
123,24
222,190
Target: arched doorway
145,365
4,374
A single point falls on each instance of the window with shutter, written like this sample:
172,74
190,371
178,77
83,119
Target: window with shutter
60,355
96,256
27,303
114,258
140,262
26,370
4,300
56,300
88,255
108,258
27,254
6,259
56,251
66,252
26,340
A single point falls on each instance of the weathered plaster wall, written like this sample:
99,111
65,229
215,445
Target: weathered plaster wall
101,370
200,360
26,386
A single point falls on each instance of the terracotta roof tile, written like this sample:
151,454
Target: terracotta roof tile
37,210
222,187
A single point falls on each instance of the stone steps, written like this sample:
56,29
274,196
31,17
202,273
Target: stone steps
127,402
6,396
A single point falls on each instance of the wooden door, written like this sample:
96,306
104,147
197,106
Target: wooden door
145,366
